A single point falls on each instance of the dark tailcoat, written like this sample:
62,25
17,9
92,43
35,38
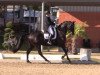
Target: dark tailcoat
47,23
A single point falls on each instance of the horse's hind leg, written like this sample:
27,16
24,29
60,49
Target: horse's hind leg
66,53
28,51
41,54
63,56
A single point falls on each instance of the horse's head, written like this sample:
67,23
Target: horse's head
11,42
21,30
67,26
15,42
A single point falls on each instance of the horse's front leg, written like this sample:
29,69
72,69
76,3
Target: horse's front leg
66,53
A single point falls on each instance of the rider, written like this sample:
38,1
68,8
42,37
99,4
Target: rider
51,26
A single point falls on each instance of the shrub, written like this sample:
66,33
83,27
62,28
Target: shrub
6,35
9,32
9,25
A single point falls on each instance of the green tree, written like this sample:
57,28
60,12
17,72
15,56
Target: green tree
79,31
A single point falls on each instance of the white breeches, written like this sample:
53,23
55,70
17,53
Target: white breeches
50,30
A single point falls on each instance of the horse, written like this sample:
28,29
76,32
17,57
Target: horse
36,39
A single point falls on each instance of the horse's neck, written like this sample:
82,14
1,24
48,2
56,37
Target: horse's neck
61,30
60,33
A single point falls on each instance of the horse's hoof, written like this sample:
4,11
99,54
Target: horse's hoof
70,62
62,57
49,62
28,61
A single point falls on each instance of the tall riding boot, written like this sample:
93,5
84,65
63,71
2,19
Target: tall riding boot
49,40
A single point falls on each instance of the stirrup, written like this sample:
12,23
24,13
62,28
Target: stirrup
49,42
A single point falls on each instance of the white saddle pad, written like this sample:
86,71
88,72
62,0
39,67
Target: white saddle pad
46,36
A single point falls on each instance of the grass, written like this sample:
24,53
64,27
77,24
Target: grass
96,60
12,58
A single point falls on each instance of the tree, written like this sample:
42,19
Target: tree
79,31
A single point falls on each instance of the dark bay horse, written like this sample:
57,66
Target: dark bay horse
36,39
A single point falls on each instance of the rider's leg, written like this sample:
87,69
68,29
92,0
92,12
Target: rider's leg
51,32
49,39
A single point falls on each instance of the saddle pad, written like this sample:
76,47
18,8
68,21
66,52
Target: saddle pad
46,36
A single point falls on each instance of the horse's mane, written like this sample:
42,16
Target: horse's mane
59,26
63,23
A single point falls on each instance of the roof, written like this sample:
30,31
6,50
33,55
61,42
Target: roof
52,2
